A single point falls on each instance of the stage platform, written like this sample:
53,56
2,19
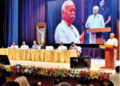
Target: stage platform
95,65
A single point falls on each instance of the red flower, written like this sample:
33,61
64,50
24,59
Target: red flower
84,72
64,76
54,70
80,74
50,72
105,76
101,79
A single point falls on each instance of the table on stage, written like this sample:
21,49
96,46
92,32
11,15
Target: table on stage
62,56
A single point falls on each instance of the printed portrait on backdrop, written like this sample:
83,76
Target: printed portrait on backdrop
99,19
41,35
65,31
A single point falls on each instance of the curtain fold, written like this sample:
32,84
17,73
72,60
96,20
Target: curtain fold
31,13
11,22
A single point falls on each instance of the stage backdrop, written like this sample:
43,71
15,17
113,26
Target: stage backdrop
21,17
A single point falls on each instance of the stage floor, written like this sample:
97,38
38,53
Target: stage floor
95,64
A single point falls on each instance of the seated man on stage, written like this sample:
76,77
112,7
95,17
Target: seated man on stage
35,46
113,41
62,47
95,21
24,46
14,46
76,48
66,32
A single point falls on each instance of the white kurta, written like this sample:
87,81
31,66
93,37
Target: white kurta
62,48
115,78
95,22
16,46
113,42
66,34
24,47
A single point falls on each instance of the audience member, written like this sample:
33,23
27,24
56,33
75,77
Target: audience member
115,78
13,83
64,84
2,76
106,83
92,84
22,81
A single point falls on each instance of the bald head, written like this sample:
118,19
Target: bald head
95,10
68,11
23,43
13,43
112,35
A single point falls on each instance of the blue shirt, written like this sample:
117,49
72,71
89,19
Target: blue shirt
105,13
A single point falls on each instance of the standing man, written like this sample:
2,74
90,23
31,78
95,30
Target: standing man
113,41
65,31
105,12
95,21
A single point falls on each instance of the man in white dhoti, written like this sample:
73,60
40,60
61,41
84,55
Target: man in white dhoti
24,46
113,41
95,21
65,31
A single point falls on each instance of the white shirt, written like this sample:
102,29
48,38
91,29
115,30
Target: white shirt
113,42
15,46
62,48
115,78
95,21
24,47
66,34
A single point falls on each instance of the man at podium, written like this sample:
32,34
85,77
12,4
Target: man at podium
112,41
95,21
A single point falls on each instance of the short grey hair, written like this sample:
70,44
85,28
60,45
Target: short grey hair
96,7
65,4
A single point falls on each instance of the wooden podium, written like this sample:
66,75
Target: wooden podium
109,56
98,30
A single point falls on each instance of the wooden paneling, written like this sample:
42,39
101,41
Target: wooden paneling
118,37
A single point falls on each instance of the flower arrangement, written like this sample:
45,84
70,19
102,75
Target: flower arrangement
55,73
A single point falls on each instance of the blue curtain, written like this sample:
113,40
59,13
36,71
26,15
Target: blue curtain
11,22
31,13
53,18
